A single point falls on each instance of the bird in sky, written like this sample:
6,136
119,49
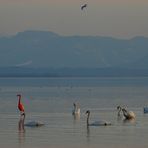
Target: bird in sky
83,6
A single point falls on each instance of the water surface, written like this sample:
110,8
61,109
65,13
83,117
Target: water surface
51,100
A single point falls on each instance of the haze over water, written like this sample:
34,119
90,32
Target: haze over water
51,100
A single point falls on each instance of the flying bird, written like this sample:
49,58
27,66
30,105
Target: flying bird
83,6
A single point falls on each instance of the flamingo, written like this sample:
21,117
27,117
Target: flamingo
96,123
23,115
76,110
83,6
20,105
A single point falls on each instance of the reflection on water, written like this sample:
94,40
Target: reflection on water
119,118
21,132
76,117
21,127
129,121
88,131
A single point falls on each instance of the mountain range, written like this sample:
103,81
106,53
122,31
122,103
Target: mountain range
48,50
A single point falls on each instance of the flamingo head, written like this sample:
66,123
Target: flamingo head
18,95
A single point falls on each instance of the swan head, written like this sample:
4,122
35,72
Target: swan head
87,112
119,107
74,104
124,110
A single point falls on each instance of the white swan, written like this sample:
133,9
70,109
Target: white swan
128,114
76,110
96,123
31,123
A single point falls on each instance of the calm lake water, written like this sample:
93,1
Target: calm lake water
51,100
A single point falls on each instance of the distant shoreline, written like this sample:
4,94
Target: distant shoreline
72,72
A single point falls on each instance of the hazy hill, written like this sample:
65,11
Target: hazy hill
47,49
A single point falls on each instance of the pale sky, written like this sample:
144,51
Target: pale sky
116,18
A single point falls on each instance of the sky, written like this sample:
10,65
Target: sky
115,18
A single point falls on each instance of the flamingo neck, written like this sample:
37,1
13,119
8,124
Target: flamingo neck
19,97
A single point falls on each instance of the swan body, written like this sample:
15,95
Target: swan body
145,110
128,114
30,123
20,105
96,123
100,123
76,110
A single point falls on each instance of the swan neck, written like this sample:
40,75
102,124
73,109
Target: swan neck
74,107
119,111
124,112
88,119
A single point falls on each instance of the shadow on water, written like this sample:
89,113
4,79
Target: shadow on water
129,121
76,117
88,132
88,135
